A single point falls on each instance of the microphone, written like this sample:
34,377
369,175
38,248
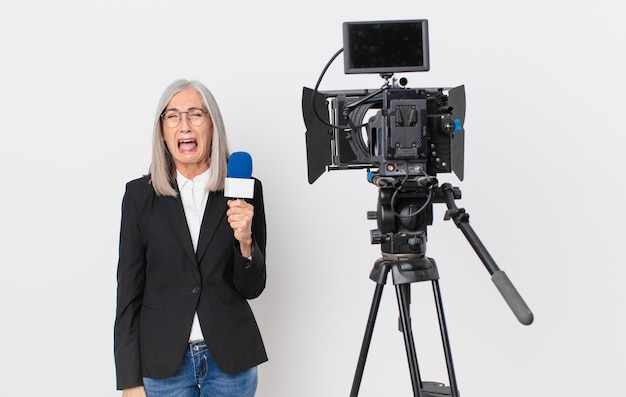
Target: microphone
239,182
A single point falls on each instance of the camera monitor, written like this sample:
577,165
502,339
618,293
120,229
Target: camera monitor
386,46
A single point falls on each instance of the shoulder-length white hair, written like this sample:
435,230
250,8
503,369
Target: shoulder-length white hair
162,169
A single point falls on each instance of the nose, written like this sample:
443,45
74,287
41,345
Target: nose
185,125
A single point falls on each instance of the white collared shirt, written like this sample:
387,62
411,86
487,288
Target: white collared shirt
194,195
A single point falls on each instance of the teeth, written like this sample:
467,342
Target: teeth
186,141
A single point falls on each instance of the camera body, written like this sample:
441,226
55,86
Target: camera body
395,131
414,132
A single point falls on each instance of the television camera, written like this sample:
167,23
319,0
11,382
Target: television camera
404,137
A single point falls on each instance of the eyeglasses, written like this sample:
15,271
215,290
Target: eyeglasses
196,117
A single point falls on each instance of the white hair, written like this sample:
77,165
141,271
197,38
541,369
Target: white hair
162,169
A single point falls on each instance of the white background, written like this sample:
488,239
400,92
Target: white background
544,187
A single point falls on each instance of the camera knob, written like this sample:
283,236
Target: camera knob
447,125
376,237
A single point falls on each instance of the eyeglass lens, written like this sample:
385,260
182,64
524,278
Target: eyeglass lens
172,117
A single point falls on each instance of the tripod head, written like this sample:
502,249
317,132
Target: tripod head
404,211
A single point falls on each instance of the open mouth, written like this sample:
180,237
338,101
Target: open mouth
187,145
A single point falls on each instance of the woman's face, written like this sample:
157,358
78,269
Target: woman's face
188,144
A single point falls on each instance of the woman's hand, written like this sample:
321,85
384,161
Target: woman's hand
137,391
240,214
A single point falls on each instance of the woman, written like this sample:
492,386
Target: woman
189,260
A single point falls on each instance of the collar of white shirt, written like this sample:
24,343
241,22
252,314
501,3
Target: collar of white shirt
200,180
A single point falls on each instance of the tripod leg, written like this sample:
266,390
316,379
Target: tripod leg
402,293
445,340
367,338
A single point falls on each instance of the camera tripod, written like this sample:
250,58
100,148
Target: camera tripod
410,267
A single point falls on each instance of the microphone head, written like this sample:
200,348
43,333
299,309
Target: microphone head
240,165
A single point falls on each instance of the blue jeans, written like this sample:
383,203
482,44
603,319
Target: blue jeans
199,376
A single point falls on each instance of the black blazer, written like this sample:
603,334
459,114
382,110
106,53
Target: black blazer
162,283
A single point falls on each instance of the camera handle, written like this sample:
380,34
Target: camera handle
499,278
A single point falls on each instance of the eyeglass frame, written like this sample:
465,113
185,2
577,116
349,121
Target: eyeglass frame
204,112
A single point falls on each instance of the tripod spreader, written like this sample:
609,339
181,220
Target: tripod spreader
405,272
499,278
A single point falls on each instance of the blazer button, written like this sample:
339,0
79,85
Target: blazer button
195,290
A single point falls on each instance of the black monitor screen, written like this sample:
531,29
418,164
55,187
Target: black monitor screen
385,46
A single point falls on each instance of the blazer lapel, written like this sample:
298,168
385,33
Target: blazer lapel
174,209
214,213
